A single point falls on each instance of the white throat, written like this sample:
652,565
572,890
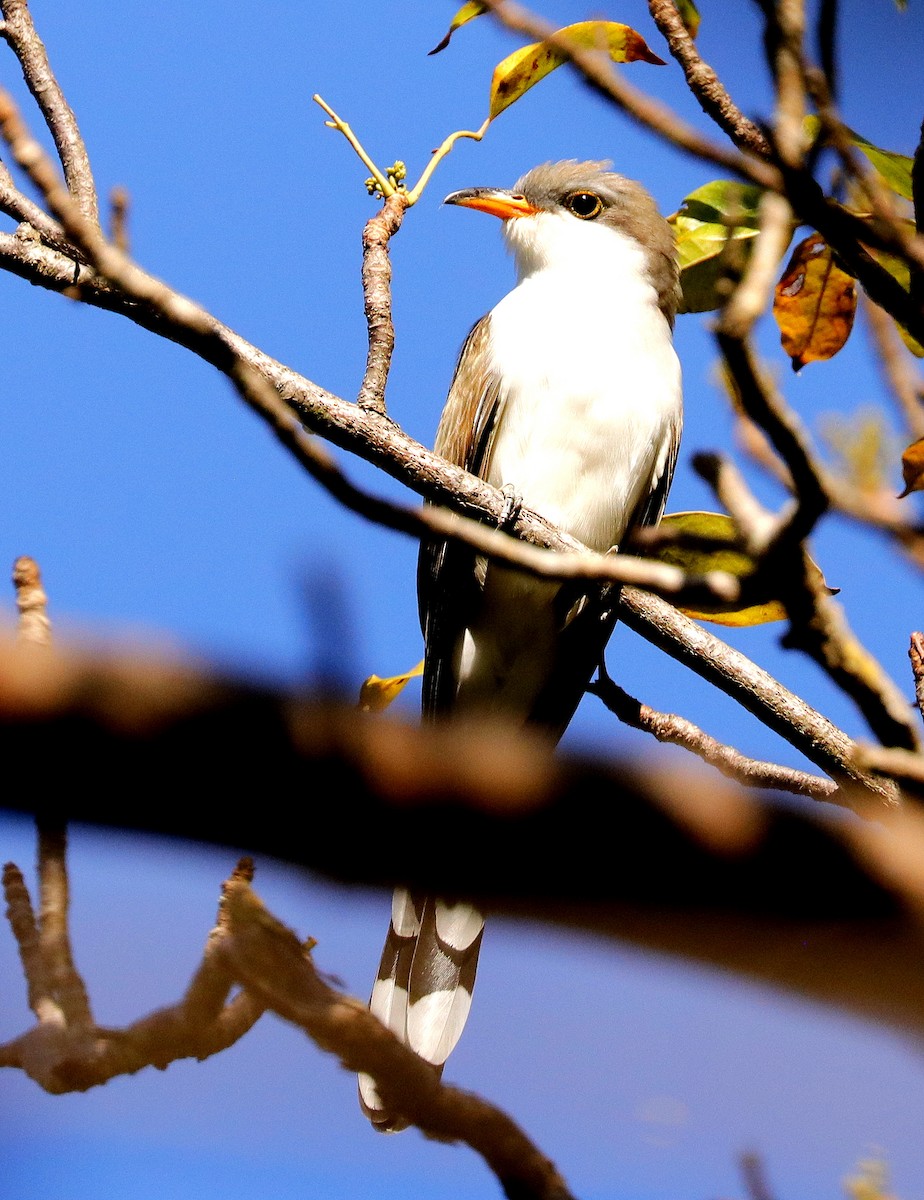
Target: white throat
557,241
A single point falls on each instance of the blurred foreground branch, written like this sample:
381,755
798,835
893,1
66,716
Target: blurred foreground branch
678,861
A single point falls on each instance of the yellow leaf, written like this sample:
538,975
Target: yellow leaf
815,303
728,557
525,67
376,693
468,12
913,468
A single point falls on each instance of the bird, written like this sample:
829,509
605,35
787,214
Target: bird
566,395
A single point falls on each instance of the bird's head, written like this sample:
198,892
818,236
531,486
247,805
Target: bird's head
567,213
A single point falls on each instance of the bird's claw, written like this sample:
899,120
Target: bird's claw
513,503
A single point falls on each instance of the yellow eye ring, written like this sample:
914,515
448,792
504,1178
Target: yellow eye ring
584,205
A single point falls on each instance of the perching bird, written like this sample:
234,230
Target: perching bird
567,395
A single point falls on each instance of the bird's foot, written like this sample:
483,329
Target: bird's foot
513,503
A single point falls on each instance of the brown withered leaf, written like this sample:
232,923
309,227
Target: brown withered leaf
814,304
913,468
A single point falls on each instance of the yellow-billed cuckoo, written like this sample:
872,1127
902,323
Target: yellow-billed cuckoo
567,394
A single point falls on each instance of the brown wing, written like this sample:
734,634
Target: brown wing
651,508
447,589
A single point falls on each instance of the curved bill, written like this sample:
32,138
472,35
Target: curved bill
499,202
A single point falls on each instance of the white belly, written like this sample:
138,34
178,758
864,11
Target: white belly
590,404
591,392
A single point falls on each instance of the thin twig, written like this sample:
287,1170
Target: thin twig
268,961
674,730
704,83
439,154
22,37
119,204
817,625
66,987
749,299
335,122
916,654
67,1051
376,277
733,673
763,404
897,365
34,625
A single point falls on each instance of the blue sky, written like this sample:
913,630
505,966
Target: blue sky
161,511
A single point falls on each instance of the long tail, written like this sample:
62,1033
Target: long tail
423,990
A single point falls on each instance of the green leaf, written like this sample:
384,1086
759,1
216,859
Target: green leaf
893,168
718,527
525,67
709,218
468,12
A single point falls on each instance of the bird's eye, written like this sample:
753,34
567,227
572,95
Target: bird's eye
584,205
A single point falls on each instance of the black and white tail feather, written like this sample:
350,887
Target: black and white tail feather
423,990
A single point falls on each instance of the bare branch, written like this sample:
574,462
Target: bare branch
21,35
916,654
65,986
764,405
749,299
34,625
700,860
67,1051
898,368
675,730
817,624
720,664
267,960
119,204
704,83
376,275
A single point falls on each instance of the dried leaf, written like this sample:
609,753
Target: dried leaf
913,468
525,67
689,14
468,12
376,693
717,218
815,303
728,557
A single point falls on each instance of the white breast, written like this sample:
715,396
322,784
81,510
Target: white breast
591,383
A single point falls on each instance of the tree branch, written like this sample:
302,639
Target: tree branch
700,861
23,39
704,83
376,276
674,730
